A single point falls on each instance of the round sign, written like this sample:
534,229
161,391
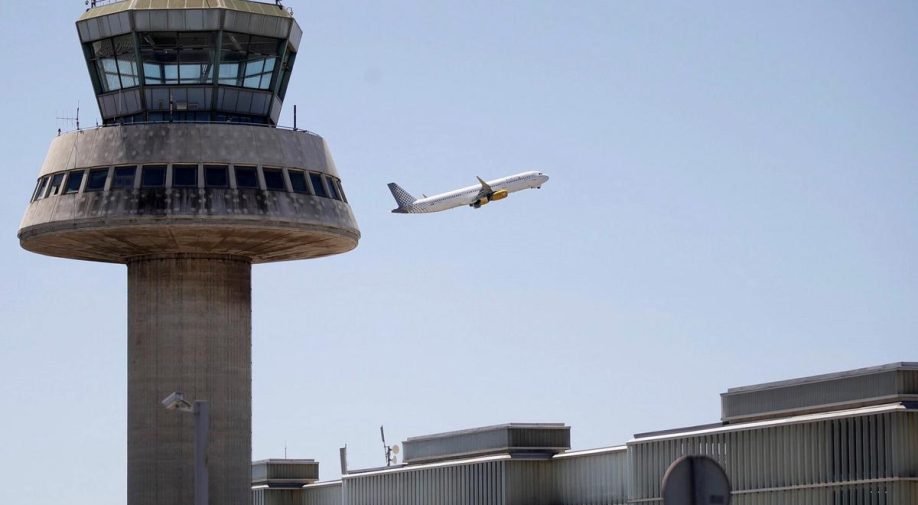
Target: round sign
695,480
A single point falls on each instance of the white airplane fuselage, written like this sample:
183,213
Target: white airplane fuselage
474,196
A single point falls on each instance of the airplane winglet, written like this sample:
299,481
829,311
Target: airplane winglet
484,184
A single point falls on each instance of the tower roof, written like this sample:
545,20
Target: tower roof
233,5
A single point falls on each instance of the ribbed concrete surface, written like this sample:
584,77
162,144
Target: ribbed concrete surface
189,330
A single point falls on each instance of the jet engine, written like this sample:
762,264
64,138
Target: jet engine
499,195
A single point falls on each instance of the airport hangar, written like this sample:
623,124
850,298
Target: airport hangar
848,438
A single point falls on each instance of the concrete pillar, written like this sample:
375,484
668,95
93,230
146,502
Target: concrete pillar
189,330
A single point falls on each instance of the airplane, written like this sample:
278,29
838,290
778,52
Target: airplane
473,196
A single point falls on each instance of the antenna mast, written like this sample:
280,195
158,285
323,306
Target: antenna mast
77,118
391,450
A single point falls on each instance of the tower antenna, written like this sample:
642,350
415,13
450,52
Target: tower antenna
391,450
75,118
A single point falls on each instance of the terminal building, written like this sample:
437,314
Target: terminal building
848,438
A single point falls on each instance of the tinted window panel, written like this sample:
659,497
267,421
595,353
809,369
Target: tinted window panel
153,176
298,181
124,177
215,176
331,189
248,60
317,185
56,184
274,179
74,179
96,180
177,58
40,189
340,190
246,177
184,176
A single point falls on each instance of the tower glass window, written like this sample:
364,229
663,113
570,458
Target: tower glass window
124,177
115,63
74,180
317,185
337,184
40,189
248,60
56,182
184,176
246,177
274,179
96,180
215,176
331,189
177,57
298,181
153,176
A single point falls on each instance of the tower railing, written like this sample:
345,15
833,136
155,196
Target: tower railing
232,123
100,3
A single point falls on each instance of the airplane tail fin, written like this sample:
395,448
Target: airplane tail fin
402,197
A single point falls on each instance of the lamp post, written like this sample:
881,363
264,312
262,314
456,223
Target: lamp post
201,411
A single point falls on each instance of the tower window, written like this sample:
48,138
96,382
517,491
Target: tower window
56,181
115,62
97,178
184,176
40,189
317,185
298,181
124,177
340,190
74,179
153,176
274,179
177,57
246,177
331,189
248,60
215,176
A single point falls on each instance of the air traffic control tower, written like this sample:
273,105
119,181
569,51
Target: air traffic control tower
188,182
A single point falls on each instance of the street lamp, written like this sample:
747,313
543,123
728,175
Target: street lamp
201,411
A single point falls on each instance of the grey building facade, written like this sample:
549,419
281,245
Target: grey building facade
848,438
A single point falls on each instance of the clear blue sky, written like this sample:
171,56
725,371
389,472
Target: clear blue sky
734,199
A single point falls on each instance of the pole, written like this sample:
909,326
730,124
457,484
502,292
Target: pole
201,425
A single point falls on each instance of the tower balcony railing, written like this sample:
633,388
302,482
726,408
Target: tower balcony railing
90,4
231,123
101,3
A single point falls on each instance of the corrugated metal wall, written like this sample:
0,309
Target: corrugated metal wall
322,494
274,496
481,483
856,460
861,458
595,478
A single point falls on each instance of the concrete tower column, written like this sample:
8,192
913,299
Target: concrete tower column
189,330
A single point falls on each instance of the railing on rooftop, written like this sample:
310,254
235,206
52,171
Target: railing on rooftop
101,3
233,123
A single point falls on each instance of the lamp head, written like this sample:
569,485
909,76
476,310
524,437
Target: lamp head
176,401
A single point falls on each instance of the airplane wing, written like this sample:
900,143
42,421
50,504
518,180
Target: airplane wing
485,189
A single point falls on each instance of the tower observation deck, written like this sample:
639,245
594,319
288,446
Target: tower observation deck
188,182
